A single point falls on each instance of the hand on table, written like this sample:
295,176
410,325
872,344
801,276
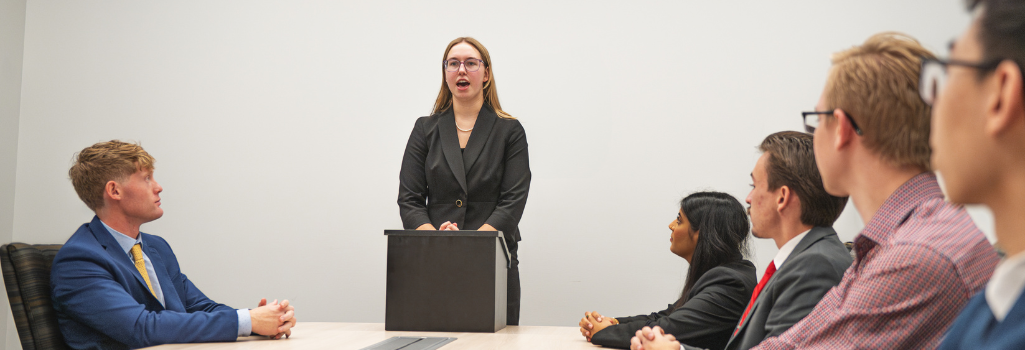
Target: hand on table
273,320
653,339
487,227
448,226
427,226
593,322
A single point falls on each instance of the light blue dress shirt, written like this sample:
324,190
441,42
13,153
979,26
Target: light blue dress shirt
245,323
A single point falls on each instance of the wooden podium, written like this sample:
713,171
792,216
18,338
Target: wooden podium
446,281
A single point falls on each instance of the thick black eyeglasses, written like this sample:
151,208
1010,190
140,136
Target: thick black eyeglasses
933,75
811,124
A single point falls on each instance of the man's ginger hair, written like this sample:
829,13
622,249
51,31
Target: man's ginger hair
104,162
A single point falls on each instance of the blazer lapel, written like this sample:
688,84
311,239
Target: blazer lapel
450,146
479,137
813,236
119,256
171,299
754,308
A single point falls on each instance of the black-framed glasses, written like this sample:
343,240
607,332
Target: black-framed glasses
933,75
471,64
811,124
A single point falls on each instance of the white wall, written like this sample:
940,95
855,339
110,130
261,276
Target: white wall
12,39
278,128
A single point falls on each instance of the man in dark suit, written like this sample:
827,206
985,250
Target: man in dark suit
978,139
114,287
789,205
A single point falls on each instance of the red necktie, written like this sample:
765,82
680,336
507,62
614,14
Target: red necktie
754,296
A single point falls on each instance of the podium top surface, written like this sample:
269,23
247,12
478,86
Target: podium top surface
428,233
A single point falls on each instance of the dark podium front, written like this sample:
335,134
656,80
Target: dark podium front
446,281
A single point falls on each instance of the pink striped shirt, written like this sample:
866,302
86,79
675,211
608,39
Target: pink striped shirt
919,260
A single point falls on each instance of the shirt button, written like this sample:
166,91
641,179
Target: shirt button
459,203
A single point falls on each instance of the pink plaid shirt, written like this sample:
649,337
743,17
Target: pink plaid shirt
918,262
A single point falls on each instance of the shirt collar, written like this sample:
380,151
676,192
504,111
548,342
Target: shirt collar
124,241
1006,285
787,249
899,206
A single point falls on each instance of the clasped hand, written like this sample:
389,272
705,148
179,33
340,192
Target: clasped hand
653,339
273,320
451,226
593,322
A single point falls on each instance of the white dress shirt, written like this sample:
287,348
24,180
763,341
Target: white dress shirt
787,249
1006,285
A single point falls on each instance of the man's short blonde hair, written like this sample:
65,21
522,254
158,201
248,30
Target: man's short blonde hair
103,162
876,84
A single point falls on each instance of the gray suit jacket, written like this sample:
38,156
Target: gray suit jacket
815,266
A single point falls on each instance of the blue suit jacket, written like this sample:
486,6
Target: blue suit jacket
976,328
102,302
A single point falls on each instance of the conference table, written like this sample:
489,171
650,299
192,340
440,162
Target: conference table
332,335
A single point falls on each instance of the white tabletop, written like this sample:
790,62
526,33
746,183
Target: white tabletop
330,335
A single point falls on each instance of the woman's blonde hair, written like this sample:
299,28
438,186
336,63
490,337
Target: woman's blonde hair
444,101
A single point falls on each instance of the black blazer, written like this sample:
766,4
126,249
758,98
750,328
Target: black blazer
708,317
816,265
487,183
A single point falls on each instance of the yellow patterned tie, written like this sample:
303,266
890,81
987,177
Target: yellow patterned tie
141,265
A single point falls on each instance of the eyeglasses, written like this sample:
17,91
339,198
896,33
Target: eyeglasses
933,75
811,124
471,64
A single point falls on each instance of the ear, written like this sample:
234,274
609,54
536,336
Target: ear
112,191
1006,110
844,130
487,74
784,198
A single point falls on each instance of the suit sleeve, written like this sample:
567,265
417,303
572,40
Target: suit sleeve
515,183
712,310
648,317
85,290
413,180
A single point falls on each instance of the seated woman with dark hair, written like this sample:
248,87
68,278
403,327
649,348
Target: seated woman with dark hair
710,232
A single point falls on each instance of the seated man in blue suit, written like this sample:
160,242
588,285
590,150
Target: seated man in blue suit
978,140
114,287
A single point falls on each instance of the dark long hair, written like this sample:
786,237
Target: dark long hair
722,227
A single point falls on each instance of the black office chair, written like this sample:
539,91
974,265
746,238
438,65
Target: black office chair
26,269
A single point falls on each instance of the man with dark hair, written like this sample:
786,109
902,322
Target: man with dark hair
789,205
978,99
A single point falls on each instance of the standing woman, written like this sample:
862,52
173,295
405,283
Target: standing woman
466,165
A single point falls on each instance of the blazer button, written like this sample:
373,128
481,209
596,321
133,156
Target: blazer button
459,203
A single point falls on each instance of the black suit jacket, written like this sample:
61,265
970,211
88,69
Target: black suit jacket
816,265
487,183
707,318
